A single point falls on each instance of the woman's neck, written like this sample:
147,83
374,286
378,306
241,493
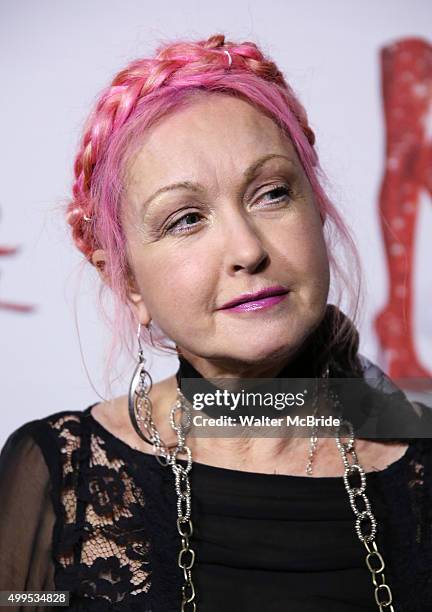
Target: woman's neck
197,367
307,362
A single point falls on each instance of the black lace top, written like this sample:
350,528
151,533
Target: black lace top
84,512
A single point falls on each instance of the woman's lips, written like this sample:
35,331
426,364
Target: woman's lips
257,304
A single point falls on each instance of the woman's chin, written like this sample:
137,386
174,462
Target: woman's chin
259,352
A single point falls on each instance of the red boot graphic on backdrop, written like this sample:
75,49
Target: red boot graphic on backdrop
407,93
8,305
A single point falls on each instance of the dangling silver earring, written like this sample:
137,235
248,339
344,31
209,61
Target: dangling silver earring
141,408
139,390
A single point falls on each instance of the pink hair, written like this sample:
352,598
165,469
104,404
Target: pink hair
145,92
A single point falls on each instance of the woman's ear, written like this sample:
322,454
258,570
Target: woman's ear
134,296
136,299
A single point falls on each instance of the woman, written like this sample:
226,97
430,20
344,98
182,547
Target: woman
198,201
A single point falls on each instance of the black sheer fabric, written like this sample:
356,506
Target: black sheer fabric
27,515
83,511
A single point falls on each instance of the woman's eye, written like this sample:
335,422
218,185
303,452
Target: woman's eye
184,223
281,191
190,220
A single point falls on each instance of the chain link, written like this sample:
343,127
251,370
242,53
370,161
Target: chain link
186,556
374,560
168,456
313,440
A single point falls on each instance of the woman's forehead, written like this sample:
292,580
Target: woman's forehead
199,139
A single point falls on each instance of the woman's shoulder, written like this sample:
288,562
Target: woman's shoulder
43,440
112,417
55,421
38,453
66,431
55,433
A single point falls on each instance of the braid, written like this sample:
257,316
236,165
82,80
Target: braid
175,64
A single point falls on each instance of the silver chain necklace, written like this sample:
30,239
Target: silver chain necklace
140,411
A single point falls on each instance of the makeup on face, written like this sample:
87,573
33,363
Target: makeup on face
225,237
263,299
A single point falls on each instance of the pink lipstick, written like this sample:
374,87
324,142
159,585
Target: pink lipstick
259,300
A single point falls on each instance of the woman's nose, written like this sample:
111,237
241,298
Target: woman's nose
243,245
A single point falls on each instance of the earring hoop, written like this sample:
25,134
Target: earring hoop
139,388
140,407
138,396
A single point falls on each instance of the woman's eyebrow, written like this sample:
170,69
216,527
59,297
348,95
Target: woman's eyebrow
248,175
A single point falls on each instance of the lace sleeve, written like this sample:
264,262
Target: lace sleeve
27,516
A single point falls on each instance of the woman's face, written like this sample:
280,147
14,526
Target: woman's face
243,219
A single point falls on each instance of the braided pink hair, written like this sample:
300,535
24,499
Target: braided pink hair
146,91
